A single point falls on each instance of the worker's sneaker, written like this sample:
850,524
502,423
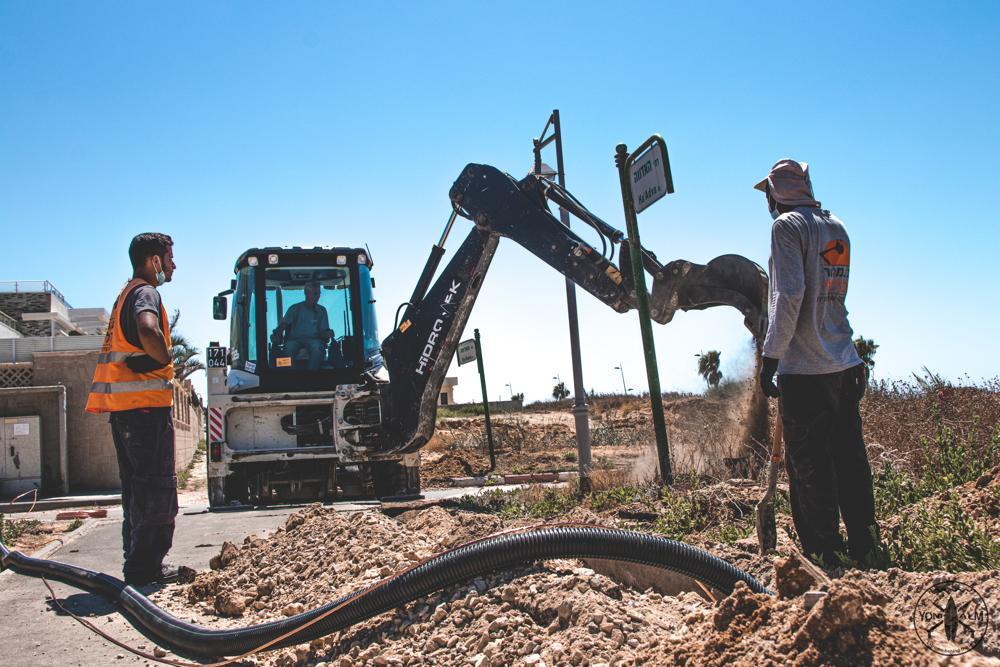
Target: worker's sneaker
167,574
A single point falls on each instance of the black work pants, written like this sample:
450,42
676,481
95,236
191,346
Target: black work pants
144,442
828,470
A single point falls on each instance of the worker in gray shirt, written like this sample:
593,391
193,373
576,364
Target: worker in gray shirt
821,378
307,326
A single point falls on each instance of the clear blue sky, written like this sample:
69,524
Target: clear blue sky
230,125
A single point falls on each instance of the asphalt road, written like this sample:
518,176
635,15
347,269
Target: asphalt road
34,633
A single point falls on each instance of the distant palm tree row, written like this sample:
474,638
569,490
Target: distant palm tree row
708,362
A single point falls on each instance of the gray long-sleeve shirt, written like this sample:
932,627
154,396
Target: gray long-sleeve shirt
810,264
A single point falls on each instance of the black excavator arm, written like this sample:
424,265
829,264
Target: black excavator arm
418,352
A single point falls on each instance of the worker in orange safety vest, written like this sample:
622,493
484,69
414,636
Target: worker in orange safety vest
133,383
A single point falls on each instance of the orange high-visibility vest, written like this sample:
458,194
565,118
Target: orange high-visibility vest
116,387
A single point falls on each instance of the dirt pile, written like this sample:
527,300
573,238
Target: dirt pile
848,626
561,611
553,613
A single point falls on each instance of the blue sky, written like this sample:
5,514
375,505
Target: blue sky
231,125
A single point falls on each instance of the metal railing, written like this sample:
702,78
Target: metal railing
32,286
9,321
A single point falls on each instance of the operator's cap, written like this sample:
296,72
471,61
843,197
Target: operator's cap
789,183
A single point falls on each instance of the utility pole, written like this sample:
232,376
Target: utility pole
581,412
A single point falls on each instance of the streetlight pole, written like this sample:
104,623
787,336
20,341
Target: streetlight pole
581,412
622,370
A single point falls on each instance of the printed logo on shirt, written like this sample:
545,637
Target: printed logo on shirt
837,259
837,253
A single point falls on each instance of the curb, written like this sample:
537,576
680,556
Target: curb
60,503
529,478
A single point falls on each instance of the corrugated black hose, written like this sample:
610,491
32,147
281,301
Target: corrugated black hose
456,566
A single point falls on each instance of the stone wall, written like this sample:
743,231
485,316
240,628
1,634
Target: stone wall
189,424
16,303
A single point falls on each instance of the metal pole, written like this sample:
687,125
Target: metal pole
581,412
645,324
621,369
486,402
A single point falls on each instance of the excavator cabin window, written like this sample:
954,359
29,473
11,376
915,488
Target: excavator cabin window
309,318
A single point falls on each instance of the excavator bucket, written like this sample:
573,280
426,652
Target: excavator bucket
728,280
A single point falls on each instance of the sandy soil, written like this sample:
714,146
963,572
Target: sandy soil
570,612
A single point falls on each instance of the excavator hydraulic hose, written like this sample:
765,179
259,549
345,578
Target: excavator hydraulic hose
458,565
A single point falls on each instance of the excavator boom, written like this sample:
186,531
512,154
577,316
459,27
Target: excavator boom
419,351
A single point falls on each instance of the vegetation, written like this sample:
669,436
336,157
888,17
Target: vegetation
559,392
184,475
942,537
12,529
185,355
708,367
927,439
866,348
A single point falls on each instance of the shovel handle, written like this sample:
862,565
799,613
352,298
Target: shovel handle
777,438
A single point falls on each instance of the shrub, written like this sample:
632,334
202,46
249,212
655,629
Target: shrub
615,497
681,515
12,529
940,536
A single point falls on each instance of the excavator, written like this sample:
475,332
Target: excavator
306,401
307,404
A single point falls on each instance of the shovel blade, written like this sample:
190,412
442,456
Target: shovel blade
767,531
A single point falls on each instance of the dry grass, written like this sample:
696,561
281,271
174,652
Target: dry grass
901,419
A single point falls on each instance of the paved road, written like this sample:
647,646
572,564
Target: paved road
33,633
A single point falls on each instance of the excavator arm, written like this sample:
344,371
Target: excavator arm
418,352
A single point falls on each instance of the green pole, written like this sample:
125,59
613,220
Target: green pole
486,403
645,323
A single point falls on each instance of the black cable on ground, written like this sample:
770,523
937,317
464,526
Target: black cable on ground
499,552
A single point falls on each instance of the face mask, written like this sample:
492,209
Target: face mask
774,213
160,276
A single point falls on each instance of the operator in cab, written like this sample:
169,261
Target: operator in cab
133,383
821,378
306,325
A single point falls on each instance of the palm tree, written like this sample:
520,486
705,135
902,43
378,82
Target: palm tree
185,355
708,367
559,392
866,348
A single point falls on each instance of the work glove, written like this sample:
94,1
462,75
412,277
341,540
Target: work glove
143,363
768,368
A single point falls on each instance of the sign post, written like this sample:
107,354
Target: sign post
645,178
581,411
471,350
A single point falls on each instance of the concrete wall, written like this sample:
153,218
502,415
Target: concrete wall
91,450
92,461
49,404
